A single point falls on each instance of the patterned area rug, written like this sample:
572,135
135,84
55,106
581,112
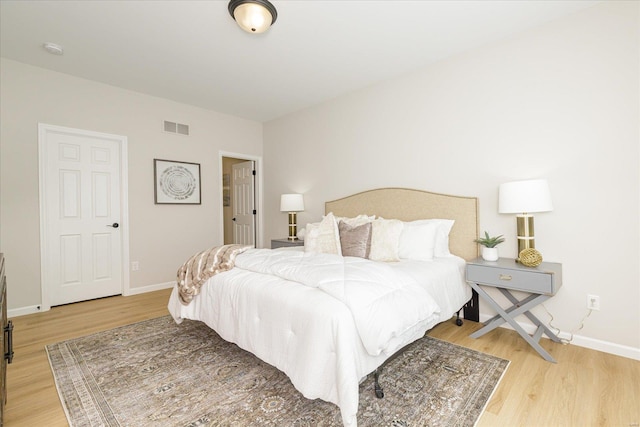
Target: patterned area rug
157,373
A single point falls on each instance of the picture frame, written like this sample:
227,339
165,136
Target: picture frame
176,183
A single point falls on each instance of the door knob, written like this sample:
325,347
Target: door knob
233,219
114,225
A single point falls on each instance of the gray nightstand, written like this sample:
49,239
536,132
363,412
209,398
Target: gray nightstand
284,243
542,282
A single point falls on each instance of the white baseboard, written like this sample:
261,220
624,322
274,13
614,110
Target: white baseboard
148,288
580,341
605,346
22,311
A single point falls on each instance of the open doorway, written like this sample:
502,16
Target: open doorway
239,199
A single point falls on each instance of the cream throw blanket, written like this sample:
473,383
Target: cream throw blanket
203,265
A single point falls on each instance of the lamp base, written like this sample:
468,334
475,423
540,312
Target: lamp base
526,243
524,226
293,227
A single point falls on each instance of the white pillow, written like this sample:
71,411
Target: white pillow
418,240
443,228
323,236
385,239
442,237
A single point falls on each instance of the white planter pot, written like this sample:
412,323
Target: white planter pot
489,254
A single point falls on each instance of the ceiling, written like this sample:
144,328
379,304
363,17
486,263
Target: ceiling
193,52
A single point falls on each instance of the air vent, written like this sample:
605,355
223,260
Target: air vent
178,128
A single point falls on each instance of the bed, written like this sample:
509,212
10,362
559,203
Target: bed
327,332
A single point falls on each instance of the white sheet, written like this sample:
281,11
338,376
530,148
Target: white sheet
308,333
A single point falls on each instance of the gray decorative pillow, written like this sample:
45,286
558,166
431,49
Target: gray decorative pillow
355,241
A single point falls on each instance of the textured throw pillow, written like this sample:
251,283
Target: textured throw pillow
418,240
323,236
385,239
355,241
356,221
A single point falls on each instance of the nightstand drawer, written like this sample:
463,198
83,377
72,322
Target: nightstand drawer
506,273
531,280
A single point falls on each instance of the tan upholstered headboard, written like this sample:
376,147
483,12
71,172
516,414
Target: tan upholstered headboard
408,205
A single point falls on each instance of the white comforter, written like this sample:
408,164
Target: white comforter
326,320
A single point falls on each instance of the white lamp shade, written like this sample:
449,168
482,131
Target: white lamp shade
525,197
253,17
291,203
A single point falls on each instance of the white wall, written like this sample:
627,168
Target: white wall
559,102
161,236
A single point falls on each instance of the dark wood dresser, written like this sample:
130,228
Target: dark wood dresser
6,351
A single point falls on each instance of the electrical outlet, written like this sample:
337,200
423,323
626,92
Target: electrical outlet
135,266
593,302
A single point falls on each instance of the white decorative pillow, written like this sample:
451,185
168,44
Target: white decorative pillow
418,240
323,236
301,233
385,239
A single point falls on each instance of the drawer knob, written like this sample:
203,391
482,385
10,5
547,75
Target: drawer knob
505,277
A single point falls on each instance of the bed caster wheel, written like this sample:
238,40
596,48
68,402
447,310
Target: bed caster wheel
459,322
379,393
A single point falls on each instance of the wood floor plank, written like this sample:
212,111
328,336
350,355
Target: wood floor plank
585,387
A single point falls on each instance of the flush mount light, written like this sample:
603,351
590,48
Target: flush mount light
52,48
253,16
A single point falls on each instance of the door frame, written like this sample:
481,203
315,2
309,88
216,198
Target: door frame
43,153
257,190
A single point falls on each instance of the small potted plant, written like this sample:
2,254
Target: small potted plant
489,249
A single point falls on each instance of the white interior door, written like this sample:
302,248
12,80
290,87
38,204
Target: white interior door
81,209
243,203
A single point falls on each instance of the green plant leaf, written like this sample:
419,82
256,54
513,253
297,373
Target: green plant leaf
488,241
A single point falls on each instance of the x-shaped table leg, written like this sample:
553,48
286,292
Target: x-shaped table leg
508,315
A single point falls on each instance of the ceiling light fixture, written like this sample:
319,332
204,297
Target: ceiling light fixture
253,16
53,48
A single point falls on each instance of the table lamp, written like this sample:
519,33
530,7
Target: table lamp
292,203
524,198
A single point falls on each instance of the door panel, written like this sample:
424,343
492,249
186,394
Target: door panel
102,260
101,195
70,193
71,259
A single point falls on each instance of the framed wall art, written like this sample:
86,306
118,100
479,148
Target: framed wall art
176,183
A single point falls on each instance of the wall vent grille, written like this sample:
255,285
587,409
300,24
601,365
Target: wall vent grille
179,128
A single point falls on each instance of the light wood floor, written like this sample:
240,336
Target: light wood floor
585,387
